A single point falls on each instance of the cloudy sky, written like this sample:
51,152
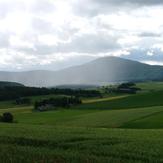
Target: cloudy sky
53,34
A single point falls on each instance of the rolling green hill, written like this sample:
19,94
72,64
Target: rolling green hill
84,118
133,101
110,129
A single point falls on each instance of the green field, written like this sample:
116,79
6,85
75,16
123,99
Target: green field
37,143
119,129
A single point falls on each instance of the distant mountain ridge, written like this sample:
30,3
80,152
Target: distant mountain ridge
98,72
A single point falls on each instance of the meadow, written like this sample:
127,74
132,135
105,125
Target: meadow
119,129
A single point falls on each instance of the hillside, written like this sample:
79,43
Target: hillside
100,71
108,129
10,84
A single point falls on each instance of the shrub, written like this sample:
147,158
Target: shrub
21,101
7,117
0,118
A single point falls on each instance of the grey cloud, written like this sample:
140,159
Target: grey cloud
9,6
91,44
82,44
39,7
4,40
141,55
42,26
133,2
149,34
43,6
94,7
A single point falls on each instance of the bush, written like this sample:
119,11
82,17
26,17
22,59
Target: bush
0,118
21,101
53,103
7,117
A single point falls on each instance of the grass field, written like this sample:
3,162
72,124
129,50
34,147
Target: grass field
85,118
37,143
133,101
119,129
151,86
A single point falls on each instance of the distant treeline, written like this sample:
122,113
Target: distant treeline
129,88
12,93
52,103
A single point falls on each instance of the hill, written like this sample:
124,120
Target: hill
10,84
98,72
108,129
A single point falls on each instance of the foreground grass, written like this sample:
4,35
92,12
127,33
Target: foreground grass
35,143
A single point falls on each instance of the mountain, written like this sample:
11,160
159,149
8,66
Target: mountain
100,71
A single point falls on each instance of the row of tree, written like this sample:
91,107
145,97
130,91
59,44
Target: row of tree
23,101
12,93
52,103
129,88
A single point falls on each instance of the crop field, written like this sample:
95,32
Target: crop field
36,143
120,129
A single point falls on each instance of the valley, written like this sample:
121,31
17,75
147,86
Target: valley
118,128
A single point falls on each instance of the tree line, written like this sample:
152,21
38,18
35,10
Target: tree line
12,93
129,88
52,103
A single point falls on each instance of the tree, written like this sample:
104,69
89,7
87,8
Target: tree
7,117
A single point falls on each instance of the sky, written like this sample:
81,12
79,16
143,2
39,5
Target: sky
54,34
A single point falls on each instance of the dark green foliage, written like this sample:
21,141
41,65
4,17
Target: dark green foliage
10,84
23,101
0,118
48,104
129,88
126,85
7,117
12,93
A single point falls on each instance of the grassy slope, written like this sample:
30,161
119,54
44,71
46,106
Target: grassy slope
85,118
121,111
133,101
151,86
153,121
36,143
82,134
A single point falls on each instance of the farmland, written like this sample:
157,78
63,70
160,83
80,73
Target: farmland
121,128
